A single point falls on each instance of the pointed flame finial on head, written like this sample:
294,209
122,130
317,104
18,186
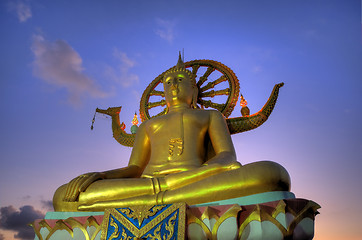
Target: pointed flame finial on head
181,67
180,63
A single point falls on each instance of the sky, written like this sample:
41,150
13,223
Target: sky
60,60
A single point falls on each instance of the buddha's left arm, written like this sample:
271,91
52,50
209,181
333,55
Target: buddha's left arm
225,156
224,160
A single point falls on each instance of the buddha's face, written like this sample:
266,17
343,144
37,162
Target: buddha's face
178,88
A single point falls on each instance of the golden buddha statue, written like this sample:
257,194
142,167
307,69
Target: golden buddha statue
185,155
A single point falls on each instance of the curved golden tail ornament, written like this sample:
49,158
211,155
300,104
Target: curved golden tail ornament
119,133
246,123
126,139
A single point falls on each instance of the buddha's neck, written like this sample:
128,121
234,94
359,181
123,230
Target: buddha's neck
178,107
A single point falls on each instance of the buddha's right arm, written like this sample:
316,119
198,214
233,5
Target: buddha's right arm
139,156
138,160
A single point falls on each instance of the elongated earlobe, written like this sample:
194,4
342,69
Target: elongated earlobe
195,97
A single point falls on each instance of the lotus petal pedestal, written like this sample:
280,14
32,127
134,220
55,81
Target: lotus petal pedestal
287,218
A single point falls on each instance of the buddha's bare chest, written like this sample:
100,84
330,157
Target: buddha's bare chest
175,125
176,140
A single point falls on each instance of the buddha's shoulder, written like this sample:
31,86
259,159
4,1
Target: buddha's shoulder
203,112
206,113
199,113
154,121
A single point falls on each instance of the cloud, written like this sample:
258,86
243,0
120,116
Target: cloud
165,29
58,64
27,197
47,205
21,9
18,220
122,74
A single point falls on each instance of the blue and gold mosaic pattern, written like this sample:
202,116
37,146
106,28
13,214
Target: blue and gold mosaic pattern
161,222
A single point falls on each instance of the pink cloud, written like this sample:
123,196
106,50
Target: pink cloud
58,64
165,29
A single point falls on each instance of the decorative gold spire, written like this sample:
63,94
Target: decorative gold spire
134,124
244,108
180,64
135,120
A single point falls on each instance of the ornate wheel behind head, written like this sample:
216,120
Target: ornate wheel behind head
218,88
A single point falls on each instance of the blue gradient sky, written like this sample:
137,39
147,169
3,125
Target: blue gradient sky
62,59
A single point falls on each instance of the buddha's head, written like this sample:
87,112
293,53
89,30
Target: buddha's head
180,85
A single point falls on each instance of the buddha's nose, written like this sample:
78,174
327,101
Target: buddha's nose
174,82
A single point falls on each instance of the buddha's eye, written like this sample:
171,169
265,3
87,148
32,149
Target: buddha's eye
180,79
168,82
